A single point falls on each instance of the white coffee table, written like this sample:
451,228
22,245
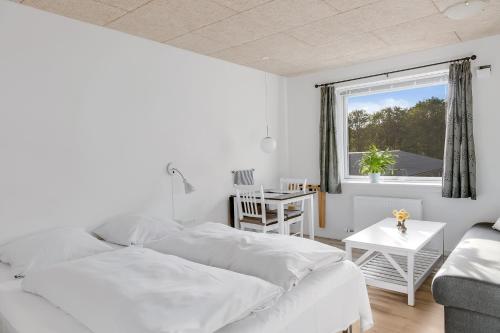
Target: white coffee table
397,261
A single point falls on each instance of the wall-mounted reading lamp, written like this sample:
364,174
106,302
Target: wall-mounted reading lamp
188,187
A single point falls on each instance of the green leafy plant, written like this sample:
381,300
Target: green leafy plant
376,161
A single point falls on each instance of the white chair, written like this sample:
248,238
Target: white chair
295,212
252,210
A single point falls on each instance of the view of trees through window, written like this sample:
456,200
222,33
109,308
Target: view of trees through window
410,123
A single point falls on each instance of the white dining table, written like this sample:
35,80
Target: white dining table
281,199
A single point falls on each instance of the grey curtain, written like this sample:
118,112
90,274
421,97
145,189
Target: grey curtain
328,161
459,174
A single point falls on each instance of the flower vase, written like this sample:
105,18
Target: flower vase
402,226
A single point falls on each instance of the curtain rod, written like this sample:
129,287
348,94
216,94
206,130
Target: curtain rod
472,57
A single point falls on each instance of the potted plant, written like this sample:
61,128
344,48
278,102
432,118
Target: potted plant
376,162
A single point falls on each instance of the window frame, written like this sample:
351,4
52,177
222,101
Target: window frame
342,95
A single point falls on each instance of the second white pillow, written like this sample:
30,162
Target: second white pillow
48,247
135,229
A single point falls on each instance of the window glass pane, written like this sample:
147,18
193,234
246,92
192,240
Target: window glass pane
408,122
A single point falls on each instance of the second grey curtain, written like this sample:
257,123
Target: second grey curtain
328,160
459,174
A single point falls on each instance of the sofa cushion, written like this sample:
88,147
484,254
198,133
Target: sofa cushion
470,277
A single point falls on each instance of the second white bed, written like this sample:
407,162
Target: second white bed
326,301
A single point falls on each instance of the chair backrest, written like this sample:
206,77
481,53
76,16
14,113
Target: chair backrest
294,184
248,202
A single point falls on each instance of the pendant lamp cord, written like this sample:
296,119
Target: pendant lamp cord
266,107
172,197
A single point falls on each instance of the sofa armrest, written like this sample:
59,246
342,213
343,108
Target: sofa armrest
467,293
470,277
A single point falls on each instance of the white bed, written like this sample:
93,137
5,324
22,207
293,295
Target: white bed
326,301
6,274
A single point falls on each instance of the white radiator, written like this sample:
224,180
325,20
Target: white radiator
370,210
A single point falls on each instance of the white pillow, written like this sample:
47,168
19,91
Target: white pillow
135,229
46,248
497,224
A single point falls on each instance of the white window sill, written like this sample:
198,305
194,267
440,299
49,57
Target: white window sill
426,184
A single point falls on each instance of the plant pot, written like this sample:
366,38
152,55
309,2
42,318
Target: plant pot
374,177
402,226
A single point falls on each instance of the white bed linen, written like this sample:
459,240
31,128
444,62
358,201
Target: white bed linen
6,273
279,259
326,301
140,290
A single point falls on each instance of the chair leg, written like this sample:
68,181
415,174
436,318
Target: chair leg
302,228
348,330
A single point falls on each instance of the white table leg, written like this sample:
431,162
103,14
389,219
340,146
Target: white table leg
311,217
411,283
348,251
281,218
236,219
442,259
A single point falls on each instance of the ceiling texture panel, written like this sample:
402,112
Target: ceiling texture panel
162,20
286,37
128,5
84,10
198,43
241,5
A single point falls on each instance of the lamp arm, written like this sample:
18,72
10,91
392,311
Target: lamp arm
174,170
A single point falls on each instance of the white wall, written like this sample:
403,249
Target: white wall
89,117
303,120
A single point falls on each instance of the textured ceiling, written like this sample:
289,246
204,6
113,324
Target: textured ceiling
286,37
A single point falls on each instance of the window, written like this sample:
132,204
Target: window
405,116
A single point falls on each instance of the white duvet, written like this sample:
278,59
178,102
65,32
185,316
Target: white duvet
139,290
281,260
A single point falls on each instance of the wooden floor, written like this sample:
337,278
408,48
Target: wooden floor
391,313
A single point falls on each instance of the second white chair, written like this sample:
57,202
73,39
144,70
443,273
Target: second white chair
295,212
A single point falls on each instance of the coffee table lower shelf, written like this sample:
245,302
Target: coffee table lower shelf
379,272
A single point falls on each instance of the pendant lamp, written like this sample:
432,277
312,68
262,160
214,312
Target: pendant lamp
267,144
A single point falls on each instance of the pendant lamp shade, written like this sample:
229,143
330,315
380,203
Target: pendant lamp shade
465,9
268,144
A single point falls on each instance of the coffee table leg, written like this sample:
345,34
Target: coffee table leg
348,251
411,283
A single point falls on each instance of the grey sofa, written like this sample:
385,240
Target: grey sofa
468,283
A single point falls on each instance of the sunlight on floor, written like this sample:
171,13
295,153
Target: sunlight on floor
391,314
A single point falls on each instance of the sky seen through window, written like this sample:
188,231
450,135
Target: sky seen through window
402,98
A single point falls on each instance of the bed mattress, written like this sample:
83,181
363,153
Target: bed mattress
326,301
